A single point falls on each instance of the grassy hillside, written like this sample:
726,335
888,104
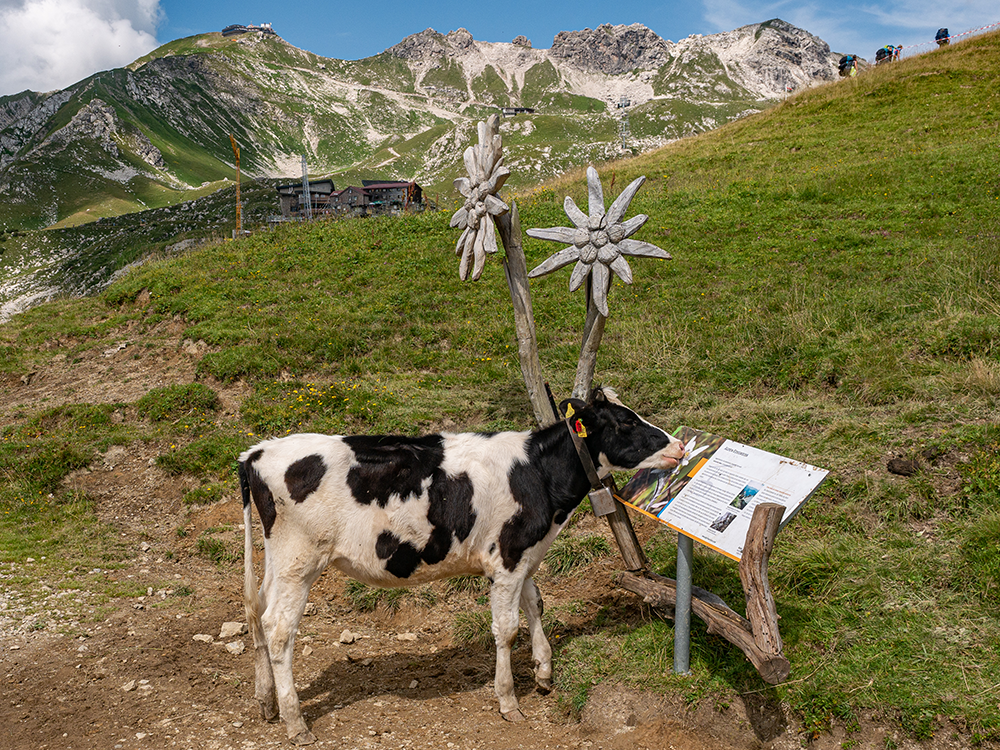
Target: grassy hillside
834,296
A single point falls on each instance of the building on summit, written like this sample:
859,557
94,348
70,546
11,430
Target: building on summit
372,197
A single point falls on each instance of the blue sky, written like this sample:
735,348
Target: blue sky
50,44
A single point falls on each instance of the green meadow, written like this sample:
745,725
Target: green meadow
834,296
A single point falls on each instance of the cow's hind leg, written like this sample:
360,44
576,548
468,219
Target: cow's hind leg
287,602
263,673
541,651
504,596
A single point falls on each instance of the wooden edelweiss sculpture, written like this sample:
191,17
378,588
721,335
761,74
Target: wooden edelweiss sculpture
597,243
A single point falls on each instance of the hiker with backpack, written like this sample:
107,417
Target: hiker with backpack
885,54
848,66
942,37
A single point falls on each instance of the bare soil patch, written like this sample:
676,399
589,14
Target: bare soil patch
130,672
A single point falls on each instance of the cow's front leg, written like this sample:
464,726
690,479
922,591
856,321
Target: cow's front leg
281,622
541,651
504,596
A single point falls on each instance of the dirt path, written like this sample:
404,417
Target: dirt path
150,671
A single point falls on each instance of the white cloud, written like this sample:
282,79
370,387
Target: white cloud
51,44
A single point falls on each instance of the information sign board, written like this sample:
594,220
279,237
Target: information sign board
712,494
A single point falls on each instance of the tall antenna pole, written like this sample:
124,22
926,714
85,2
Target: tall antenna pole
623,104
306,200
239,202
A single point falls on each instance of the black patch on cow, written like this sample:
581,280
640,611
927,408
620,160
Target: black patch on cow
262,496
437,546
449,512
404,560
402,557
244,478
552,482
451,504
302,477
450,515
387,465
386,544
532,521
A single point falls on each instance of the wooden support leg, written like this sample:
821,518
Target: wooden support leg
516,270
761,612
605,504
628,542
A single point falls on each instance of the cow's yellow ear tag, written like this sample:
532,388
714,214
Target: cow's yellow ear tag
580,429
570,411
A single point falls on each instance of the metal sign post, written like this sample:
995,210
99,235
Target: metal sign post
682,610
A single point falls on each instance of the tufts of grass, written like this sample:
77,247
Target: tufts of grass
211,455
220,551
367,598
473,628
468,584
569,552
204,495
177,401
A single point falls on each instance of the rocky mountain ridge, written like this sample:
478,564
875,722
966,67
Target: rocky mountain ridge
764,58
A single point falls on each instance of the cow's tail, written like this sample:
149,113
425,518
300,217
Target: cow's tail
251,595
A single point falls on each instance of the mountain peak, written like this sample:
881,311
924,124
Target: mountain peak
612,50
429,44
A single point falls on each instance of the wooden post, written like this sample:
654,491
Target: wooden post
618,520
761,611
624,533
593,332
628,542
516,270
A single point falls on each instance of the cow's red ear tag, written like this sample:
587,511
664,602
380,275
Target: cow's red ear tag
580,429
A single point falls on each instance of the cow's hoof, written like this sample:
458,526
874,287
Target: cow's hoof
304,738
269,711
543,685
514,715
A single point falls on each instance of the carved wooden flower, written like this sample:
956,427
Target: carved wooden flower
484,163
597,242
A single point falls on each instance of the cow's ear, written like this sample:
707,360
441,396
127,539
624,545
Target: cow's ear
571,406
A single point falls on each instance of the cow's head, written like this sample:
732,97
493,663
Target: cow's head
617,437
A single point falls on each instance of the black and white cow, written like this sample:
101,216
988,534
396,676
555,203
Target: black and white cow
400,511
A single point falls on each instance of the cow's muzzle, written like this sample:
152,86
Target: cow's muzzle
671,456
